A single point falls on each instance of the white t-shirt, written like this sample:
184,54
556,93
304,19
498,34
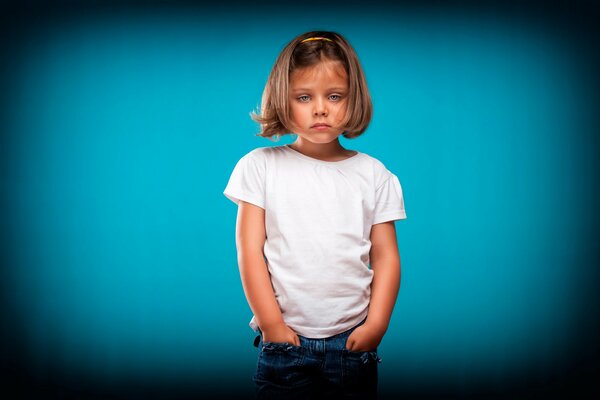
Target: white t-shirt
318,218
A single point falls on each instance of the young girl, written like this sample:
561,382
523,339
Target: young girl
312,217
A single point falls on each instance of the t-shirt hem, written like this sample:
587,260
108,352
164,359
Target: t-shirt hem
391,216
321,333
316,333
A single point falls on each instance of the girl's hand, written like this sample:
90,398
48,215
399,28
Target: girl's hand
280,333
364,338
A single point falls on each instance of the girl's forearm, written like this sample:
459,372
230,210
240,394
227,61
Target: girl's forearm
259,291
384,291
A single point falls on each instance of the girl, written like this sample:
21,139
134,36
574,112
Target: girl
312,217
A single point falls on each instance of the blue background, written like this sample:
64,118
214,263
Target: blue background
121,128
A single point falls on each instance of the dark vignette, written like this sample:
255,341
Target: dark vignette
21,22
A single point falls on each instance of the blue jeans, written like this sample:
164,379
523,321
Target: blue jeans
317,369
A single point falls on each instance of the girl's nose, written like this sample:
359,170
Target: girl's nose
320,109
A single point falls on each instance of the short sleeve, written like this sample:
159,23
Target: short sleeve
389,201
247,182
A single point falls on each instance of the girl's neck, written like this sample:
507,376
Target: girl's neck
322,151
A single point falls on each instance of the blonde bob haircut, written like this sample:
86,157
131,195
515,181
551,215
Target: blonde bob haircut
275,116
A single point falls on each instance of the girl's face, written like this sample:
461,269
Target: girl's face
318,95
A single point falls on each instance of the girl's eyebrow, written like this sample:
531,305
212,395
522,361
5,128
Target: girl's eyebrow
307,89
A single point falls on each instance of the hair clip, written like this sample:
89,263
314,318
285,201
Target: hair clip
316,38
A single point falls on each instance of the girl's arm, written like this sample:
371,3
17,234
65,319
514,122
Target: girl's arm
256,281
385,263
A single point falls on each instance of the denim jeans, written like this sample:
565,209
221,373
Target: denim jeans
317,369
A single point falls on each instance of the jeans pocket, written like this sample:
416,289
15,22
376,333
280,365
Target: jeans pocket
359,371
279,345
280,363
365,357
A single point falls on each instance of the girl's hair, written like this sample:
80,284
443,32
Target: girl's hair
274,117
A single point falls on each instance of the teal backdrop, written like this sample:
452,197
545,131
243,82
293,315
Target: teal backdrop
122,127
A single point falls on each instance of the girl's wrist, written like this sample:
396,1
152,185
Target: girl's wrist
270,325
376,325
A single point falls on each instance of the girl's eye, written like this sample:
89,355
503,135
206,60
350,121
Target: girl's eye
305,98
